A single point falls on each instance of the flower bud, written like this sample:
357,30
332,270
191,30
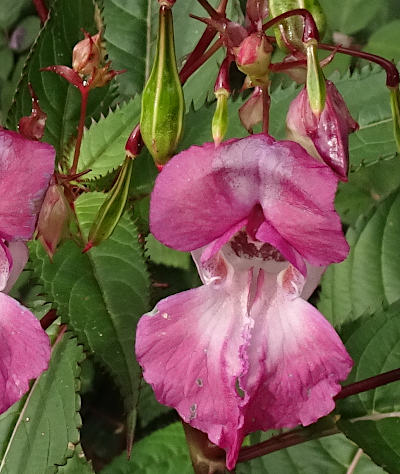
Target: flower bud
53,219
251,112
315,80
289,33
325,138
32,126
253,58
112,208
161,119
87,55
220,119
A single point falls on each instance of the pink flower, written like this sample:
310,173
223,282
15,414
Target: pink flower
325,138
25,170
245,351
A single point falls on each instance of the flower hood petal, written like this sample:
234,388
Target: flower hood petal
25,170
24,350
204,193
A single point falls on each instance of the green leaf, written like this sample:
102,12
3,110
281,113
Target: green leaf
372,418
130,34
58,99
77,464
333,455
48,420
164,451
103,145
370,275
386,41
101,294
365,188
341,14
149,408
10,11
25,33
161,254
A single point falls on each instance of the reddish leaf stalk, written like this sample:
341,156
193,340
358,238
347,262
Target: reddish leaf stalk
310,27
184,76
84,96
285,440
210,9
204,41
369,384
41,9
301,435
392,74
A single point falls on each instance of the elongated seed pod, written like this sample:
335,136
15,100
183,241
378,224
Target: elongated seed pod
161,119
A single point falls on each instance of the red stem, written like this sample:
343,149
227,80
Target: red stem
369,384
392,74
310,27
210,9
48,319
301,435
41,9
84,94
184,75
285,440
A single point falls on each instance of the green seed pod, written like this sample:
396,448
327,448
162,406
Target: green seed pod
316,87
292,28
112,208
219,125
162,101
395,106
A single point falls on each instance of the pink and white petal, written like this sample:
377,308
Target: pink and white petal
25,170
24,350
5,264
296,359
314,275
192,350
205,192
189,208
20,254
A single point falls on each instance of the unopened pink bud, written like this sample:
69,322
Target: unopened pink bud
253,57
87,55
325,138
53,219
32,126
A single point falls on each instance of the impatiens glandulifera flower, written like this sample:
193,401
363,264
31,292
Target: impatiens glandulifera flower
325,138
161,121
25,169
244,351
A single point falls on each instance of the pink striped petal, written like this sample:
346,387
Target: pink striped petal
297,359
204,193
24,350
191,349
25,170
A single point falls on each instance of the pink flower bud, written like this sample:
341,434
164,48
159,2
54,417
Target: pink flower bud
32,126
53,219
325,138
253,57
87,55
